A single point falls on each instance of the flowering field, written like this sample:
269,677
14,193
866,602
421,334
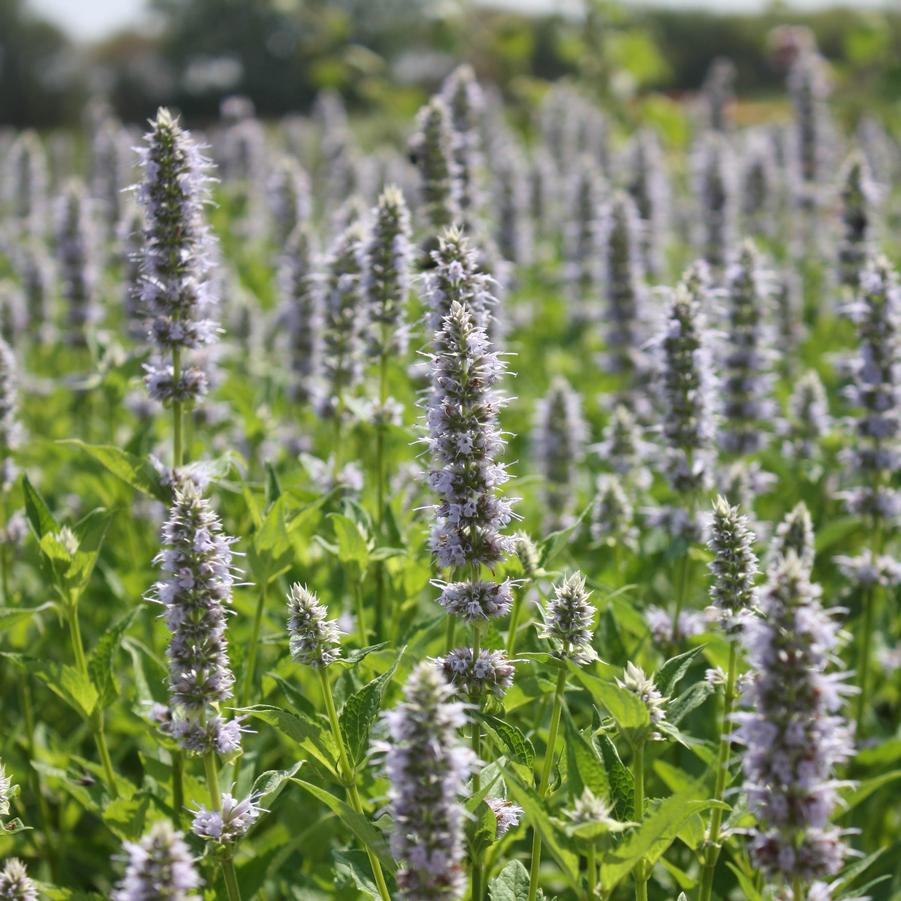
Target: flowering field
488,513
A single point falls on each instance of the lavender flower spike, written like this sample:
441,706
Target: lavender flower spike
569,620
715,186
387,274
25,185
230,823
427,766
456,278
490,672
76,262
647,185
794,535
747,379
10,429
195,591
433,155
857,221
315,639
465,439
15,885
734,564
176,291
793,734
159,866
559,440
876,393
808,417
463,96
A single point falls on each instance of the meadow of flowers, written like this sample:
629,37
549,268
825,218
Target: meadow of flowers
461,510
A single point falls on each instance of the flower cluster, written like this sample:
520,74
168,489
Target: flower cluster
25,185
288,192
159,866
300,311
433,155
195,591
687,386
231,822
15,884
506,813
660,625
476,601
464,438
648,188
876,392
734,564
315,639
514,225
643,687
623,448
793,734
463,96
489,673
581,239
612,515
176,293
569,620
757,186
808,418
76,263
387,274
110,165
427,766
715,187
857,225
10,429
808,88
794,535
559,438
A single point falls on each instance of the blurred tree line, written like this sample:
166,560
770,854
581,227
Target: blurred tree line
384,54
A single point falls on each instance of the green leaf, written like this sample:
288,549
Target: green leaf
511,738
585,767
12,616
863,790
481,829
360,710
311,733
746,884
670,674
38,513
351,543
620,776
625,707
691,698
511,884
536,813
269,785
352,870
135,471
100,660
358,824
850,873
557,541
67,682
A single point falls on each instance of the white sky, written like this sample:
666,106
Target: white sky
91,19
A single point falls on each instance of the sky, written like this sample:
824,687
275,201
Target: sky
93,19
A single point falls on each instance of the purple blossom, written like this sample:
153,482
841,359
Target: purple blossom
715,189
464,438
25,185
734,564
288,196
176,293
427,767
10,428
432,152
476,601
569,620
490,673
612,514
857,238
15,884
159,866
228,824
794,535
463,96
507,814
195,591
808,89
76,261
581,239
660,625
808,418
793,734
648,188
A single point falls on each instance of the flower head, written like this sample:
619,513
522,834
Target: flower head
463,96
808,416
478,600
643,687
490,672
159,866
10,428
76,261
290,203
715,188
569,620
15,885
734,564
857,225
506,813
647,185
315,639
427,766
612,514
229,823
432,152
794,535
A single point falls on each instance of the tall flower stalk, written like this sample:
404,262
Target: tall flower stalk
734,568
177,291
432,152
159,866
568,626
195,588
463,96
315,641
76,262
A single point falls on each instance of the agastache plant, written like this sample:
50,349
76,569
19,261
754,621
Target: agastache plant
793,734
808,420
195,591
433,155
733,595
159,866
648,188
10,438
76,262
857,209
15,884
427,767
315,641
514,225
717,201
808,90
463,96
581,239
177,291
758,187
794,535
25,186
289,200
747,379
559,438
875,456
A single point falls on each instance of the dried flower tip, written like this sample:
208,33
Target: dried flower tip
569,620
315,639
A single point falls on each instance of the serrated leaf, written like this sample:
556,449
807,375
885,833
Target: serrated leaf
360,710
625,707
311,733
358,824
519,747
691,698
37,512
67,682
671,673
12,616
352,869
350,542
511,884
481,829
268,785
585,767
621,782
100,660
135,471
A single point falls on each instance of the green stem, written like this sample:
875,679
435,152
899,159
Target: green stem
722,772
4,553
681,591
35,779
380,479
211,770
556,711
866,639
449,633
178,783
797,889
477,863
515,613
641,877
592,868
361,613
349,777
250,666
